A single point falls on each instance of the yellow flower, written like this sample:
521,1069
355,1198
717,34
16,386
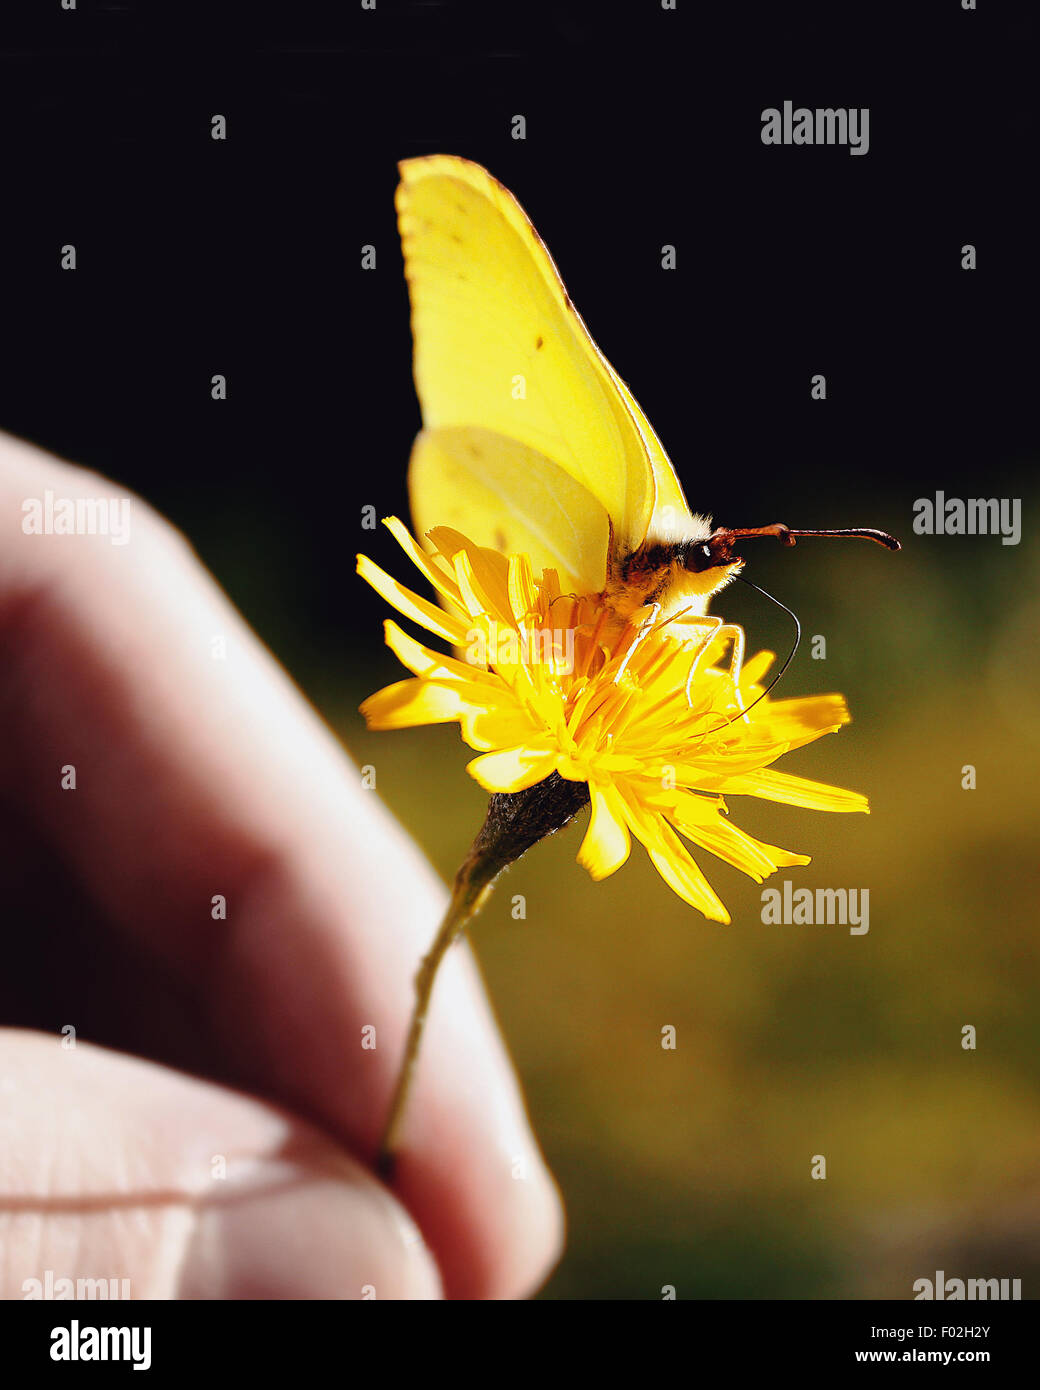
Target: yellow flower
559,683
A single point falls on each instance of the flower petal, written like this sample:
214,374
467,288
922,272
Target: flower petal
421,661
788,720
727,841
755,668
672,860
408,703
513,769
489,569
432,566
503,725
797,791
607,843
523,596
420,610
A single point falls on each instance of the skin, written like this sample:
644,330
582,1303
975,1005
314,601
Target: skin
200,1040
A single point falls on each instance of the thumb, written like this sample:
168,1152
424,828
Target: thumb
118,1169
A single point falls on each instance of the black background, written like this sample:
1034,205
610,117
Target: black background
643,127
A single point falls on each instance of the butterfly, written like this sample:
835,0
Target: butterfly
531,442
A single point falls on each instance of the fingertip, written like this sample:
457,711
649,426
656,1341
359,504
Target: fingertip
283,1232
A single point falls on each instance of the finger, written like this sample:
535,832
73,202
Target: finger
202,777
124,1171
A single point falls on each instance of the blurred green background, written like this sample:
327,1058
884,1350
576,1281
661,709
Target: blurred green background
692,1167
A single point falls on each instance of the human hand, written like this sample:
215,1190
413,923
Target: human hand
198,777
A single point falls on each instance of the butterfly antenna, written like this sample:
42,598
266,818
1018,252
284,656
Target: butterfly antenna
719,547
787,536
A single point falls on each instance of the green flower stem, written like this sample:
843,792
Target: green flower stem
466,901
515,821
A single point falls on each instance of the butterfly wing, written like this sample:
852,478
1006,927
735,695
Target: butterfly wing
505,496
500,350
671,514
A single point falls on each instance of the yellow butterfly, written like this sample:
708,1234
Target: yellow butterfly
531,442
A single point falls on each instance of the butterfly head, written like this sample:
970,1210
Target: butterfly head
684,572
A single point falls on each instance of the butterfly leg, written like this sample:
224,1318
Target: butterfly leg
736,635
716,629
713,625
643,632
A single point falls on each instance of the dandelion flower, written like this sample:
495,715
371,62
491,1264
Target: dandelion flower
563,686
567,703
